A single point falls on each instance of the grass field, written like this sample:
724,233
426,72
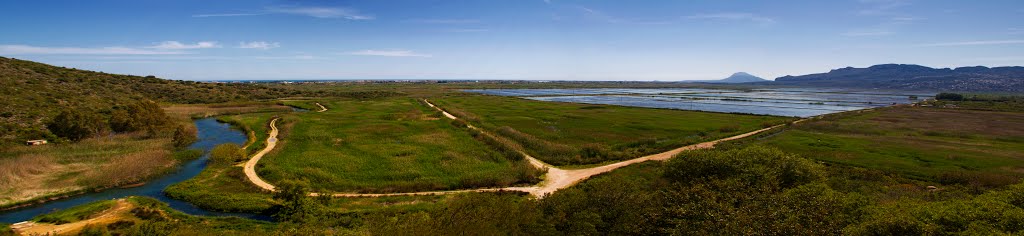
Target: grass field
255,125
76,213
389,145
934,144
573,134
222,188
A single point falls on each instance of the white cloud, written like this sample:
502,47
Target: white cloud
445,21
25,49
739,16
175,45
259,45
388,53
322,12
974,43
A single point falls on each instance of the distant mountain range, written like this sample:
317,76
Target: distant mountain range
738,77
914,77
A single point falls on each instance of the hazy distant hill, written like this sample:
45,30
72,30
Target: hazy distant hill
915,77
742,77
738,77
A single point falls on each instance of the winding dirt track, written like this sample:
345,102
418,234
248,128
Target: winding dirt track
554,180
250,166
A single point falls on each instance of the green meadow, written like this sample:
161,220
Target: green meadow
579,134
386,145
949,146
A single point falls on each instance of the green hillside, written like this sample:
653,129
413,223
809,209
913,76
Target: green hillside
34,93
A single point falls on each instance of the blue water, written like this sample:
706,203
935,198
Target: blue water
797,102
211,133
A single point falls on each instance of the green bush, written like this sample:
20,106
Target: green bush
227,153
949,97
184,135
753,166
77,124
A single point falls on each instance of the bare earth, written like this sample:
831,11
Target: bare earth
554,180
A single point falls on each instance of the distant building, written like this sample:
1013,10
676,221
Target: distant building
35,142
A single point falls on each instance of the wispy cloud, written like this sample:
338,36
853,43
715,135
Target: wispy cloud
175,45
736,16
322,12
317,12
597,15
26,49
388,53
259,45
227,15
973,43
444,21
882,7
888,26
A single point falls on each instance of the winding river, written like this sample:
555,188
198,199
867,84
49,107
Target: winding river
211,134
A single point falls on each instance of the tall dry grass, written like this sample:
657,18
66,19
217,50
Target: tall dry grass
129,168
17,173
30,172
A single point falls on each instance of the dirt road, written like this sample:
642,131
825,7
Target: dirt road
554,180
250,166
322,108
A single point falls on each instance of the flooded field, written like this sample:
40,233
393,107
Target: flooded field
780,102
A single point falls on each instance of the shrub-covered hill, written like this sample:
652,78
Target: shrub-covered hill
34,93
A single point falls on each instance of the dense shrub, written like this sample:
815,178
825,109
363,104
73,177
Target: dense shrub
142,116
227,153
756,166
949,97
77,124
184,135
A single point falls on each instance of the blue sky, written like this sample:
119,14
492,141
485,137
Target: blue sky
522,39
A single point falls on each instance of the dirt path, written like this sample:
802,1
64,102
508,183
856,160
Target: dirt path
554,180
250,166
322,108
106,217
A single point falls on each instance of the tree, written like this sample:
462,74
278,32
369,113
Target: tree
227,153
296,206
76,124
142,116
183,136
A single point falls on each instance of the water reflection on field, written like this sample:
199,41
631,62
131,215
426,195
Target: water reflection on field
799,102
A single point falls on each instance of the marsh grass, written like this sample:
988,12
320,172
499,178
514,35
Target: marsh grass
388,145
973,148
186,112
580,134
222,188
76,213
30,172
